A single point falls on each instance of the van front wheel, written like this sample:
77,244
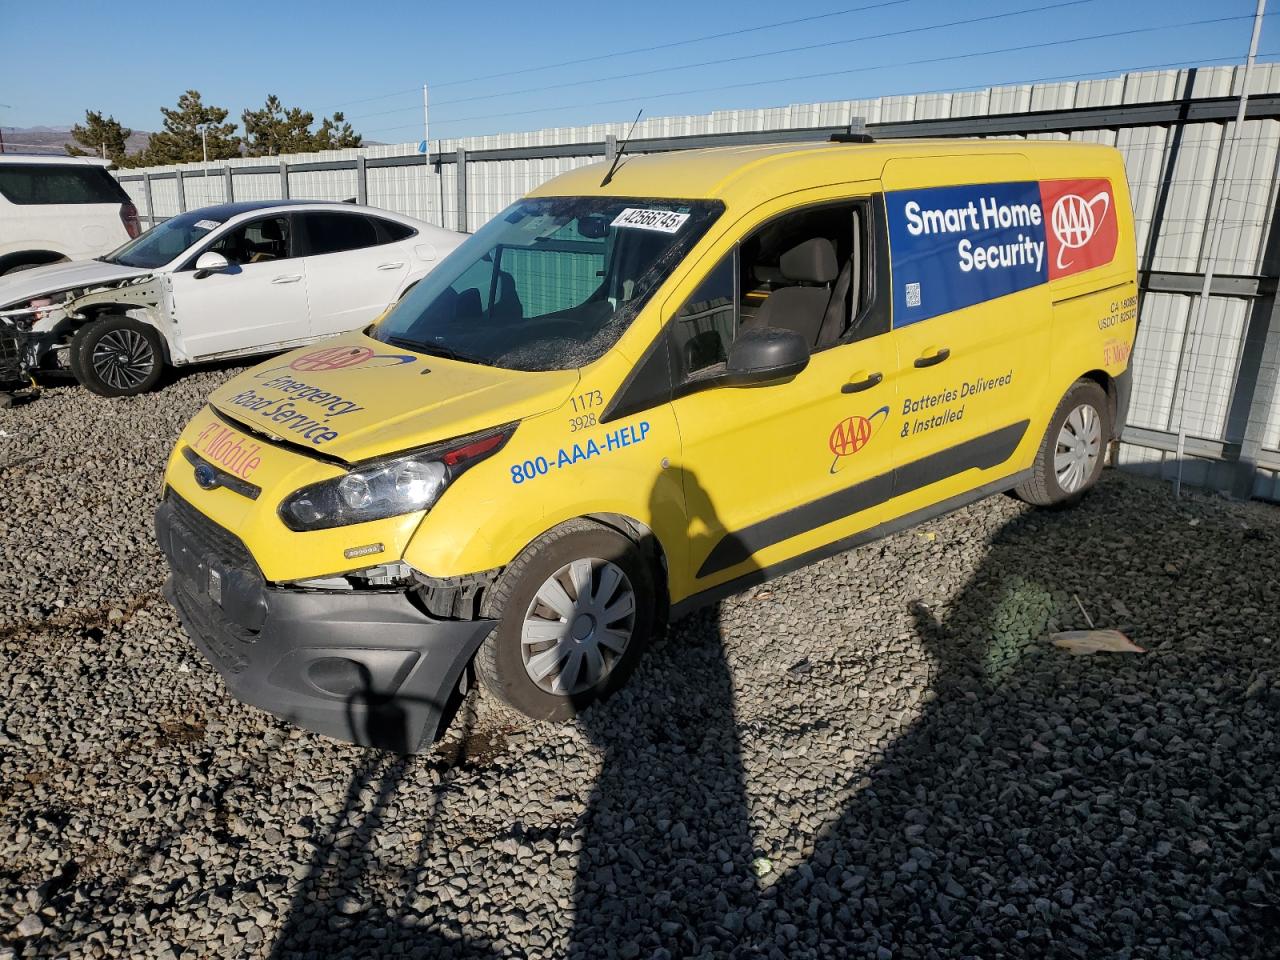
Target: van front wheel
1069,461
573,611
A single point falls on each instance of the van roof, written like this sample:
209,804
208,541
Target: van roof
735,174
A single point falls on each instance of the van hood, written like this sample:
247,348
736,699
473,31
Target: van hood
55,277
355,398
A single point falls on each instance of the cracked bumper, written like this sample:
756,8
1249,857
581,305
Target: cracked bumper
368,667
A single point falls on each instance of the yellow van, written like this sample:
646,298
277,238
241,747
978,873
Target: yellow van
638,390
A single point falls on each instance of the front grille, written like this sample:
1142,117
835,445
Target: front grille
216,586
224,642
211,539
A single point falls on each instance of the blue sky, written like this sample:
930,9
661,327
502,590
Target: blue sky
370,60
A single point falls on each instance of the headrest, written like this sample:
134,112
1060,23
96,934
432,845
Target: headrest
270,230
813,261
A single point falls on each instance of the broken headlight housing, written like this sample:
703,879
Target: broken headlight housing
25,313
389,487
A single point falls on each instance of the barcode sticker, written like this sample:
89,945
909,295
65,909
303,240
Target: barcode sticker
206,224
663,221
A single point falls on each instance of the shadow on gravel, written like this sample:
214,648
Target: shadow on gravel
1041,805
331,914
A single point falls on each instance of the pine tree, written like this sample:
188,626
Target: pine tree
274,130
99,133
336,134
181,142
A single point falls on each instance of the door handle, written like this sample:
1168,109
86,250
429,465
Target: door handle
391,266
934,358
857,386
291,278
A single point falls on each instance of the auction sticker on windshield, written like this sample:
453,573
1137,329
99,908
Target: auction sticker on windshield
663,221
206,224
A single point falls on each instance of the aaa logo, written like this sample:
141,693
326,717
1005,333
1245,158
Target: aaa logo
341,358
852,434
1075,220
1083,230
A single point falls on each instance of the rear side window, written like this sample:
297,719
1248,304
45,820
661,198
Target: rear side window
38,184
336,232
389,231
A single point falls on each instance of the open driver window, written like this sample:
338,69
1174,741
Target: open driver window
811,271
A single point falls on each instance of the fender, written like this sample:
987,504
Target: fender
144,298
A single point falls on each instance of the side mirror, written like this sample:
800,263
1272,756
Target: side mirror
211,262
765,355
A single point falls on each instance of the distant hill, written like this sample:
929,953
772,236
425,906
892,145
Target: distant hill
54,139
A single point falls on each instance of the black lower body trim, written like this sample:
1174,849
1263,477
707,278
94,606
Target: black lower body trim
689,604
984,452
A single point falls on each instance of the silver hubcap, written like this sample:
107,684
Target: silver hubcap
123,358
1079,446
578,626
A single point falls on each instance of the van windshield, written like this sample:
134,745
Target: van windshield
548,284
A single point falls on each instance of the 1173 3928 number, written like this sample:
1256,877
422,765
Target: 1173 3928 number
585,401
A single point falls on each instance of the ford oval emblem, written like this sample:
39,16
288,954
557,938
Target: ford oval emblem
206,476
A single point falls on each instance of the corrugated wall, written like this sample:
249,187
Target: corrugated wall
1180,376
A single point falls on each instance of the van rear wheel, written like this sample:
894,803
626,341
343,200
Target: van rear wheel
1069,461
573,611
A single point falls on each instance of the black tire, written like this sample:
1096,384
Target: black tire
117,356
19,267
1043,488
499,664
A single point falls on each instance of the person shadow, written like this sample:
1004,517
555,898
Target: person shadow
667,846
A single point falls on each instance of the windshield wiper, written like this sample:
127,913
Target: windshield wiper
438,350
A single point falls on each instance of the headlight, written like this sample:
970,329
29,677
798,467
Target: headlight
388,488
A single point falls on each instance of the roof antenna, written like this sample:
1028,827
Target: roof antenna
617,157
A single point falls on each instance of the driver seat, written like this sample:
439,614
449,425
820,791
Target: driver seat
811,266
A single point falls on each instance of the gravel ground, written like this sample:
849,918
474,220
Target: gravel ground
880,756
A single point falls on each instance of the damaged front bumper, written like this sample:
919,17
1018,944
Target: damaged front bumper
369,667
49,319
15,346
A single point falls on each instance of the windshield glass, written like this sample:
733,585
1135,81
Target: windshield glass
548,284
164,241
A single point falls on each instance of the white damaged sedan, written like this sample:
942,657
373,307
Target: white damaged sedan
225,281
